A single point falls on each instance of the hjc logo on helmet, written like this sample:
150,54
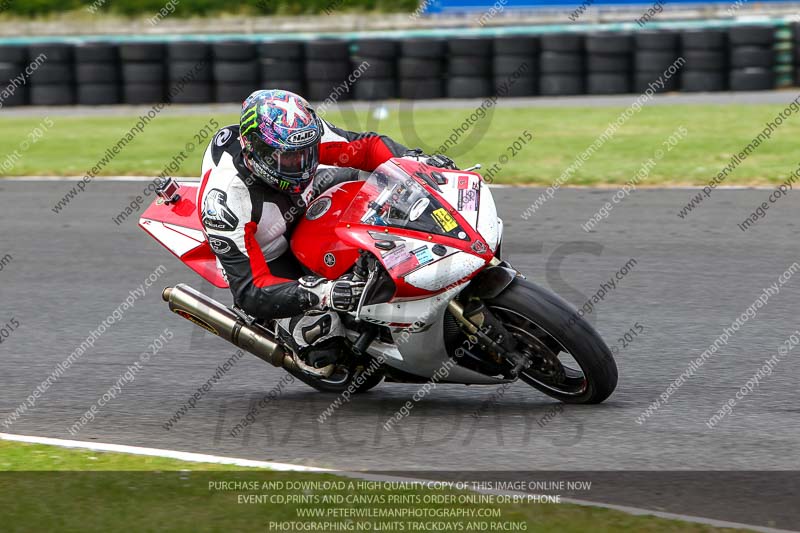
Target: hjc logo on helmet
301,137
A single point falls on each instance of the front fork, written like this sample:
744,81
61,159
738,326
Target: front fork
481,325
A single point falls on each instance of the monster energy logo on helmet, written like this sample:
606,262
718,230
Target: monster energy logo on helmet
249,120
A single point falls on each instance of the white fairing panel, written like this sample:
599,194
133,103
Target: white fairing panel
468,193
445,271
417,331
177,239
489,225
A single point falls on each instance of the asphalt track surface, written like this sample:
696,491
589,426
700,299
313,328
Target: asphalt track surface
692,277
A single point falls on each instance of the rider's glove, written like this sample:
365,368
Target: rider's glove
339,295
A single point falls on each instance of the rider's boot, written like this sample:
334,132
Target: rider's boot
317,337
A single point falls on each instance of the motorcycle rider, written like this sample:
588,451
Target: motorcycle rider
258,178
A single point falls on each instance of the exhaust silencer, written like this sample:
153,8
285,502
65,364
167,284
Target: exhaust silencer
212,316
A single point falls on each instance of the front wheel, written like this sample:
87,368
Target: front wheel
570,361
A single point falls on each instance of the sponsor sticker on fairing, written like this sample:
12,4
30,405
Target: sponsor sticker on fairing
423,254
468,200
444,219
395,257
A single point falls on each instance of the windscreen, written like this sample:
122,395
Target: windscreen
390,197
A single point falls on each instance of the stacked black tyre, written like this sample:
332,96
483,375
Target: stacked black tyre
13,60
752,58
281,65
561,64
327,70
373,63
236,70
784,57
656,61
143,73
189,74
796,40
516,66
706,55
420,69
97,74
469,67
608,63
53,80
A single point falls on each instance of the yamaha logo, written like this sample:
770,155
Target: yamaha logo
302,137
330,259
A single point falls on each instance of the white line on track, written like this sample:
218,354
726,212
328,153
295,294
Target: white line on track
154,452
285,467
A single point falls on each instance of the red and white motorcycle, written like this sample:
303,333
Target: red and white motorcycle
439,303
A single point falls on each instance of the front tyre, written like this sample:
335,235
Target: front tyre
571,362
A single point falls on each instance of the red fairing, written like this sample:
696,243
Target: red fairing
318,243
178,229
327,241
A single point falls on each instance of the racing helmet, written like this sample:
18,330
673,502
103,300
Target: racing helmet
280,136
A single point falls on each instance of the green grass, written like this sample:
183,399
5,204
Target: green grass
48,488
195,8
715,132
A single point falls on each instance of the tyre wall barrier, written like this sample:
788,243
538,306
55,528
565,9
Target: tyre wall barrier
736,58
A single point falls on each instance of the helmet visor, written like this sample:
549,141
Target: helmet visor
293,165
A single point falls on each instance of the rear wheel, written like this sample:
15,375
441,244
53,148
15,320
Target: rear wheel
570,361
344,375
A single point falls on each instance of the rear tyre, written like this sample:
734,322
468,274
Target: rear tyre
343,377
545,323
